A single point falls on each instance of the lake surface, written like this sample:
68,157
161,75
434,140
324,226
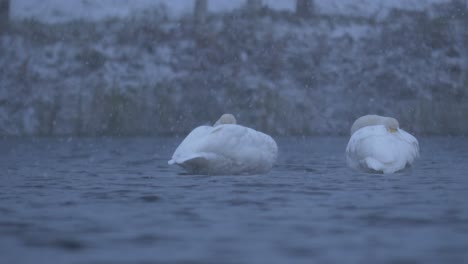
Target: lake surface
102,200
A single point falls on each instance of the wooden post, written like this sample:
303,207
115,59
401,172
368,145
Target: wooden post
4,14
465,46
253,6
200,11
304,8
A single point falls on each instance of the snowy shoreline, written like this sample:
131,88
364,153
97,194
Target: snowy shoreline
54,11
150,75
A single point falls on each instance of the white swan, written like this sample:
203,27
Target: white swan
377,144
226,148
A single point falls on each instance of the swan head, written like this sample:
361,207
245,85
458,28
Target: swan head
226,119
390,123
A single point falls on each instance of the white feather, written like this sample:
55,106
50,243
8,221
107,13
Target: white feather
226,149
374,148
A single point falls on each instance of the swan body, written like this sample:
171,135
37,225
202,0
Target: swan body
226,148
377,144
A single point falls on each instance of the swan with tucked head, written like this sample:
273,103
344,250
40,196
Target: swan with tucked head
378,144
226,148
226,119
390,123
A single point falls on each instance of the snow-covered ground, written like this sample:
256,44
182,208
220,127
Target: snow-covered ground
146,74
64,10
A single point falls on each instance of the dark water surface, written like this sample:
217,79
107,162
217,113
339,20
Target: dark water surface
117,201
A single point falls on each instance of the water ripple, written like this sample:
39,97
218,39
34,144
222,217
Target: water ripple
90,201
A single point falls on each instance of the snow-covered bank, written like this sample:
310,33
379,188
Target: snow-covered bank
51,11
283,75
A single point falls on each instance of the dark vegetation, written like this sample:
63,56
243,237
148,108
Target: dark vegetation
277,72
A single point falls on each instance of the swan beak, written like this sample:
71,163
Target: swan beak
392,130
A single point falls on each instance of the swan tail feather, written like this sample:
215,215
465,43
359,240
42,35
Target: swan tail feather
194,162
373,164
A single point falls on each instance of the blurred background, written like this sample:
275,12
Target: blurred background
285,67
